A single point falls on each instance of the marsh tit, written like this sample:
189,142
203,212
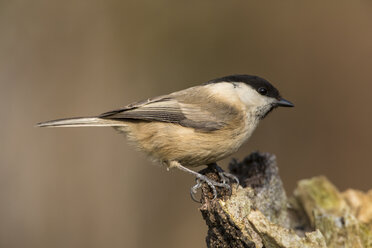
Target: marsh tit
192,127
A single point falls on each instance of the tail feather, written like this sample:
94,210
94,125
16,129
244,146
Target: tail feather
82,122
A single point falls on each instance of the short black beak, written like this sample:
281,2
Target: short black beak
284,103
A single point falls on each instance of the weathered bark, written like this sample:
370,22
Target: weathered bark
259,214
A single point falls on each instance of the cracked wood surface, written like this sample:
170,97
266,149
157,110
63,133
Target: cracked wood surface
259,214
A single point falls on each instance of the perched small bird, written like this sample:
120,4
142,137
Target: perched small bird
192,127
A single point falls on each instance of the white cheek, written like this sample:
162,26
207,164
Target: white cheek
250,97
239,93
225,91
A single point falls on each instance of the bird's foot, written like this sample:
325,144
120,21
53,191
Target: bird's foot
215,174
228,177
200,179
226,180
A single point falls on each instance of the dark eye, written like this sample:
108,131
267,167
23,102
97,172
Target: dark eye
262,91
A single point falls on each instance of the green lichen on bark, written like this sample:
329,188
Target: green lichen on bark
330,213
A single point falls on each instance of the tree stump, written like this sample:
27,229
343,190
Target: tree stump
259,214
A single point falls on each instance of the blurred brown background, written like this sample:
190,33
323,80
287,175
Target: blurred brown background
88,187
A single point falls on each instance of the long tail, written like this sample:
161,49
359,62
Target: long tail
82,122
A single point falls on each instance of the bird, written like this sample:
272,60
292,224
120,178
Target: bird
196,126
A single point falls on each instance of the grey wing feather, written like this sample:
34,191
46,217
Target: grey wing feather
116,113
177,108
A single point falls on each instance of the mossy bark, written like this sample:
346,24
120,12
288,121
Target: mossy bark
259,214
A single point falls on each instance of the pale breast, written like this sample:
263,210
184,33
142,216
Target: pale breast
172,142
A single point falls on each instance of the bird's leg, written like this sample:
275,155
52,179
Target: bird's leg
199,179
225,176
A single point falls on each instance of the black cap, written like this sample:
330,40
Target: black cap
255,82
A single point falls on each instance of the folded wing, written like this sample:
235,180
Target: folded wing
189,110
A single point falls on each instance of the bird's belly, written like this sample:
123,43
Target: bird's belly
171,142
